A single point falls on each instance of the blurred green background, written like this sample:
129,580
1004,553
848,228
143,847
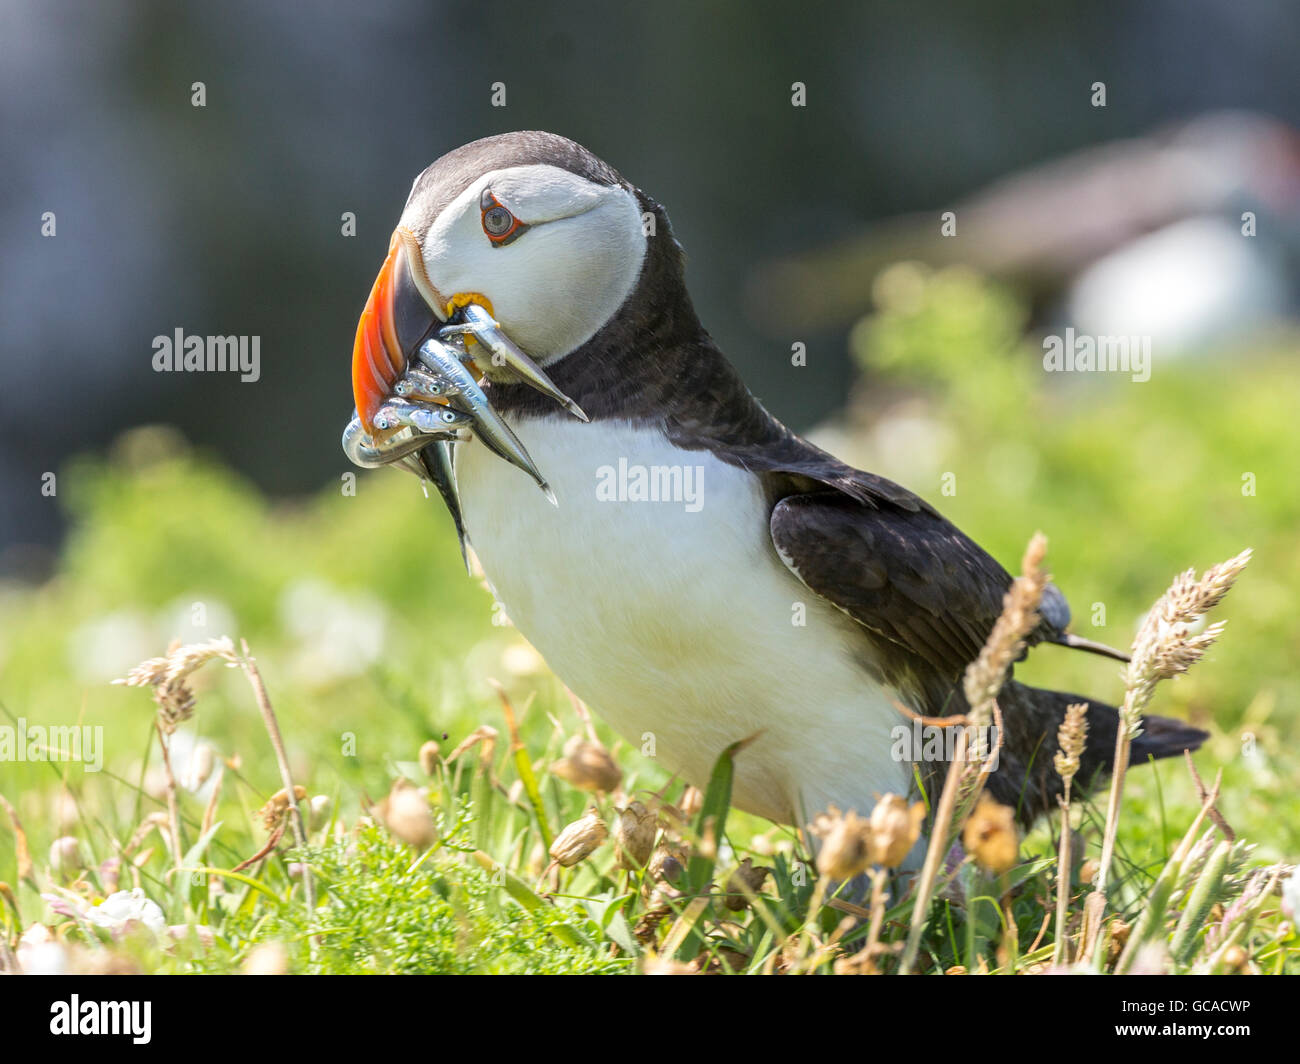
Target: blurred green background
373,639
190,507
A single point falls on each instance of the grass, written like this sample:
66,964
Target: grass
372,642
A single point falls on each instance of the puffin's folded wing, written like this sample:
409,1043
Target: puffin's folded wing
907,575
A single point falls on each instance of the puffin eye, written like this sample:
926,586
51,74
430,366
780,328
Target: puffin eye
497,221
499,224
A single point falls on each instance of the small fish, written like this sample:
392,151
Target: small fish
443,360
419,384
423,417
477,322
364,452
438,468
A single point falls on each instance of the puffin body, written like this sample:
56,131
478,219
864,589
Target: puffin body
683,629
763,586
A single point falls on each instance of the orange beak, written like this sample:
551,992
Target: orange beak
403,306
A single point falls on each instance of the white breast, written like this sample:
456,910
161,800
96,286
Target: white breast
675,620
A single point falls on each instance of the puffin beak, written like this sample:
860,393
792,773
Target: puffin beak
402,310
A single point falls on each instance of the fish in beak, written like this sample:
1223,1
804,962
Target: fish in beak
404,308
443,361
475,321
410,378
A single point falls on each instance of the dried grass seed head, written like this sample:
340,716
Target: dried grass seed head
1071,737
168,676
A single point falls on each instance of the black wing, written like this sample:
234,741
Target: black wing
907,575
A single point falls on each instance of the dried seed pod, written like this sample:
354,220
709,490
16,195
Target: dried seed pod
278,805
634,835
406,814
666,863
1119,933
990,836
588,766
895,827
846,843
745,880
580,839
429,757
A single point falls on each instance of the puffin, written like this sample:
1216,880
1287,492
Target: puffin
695,571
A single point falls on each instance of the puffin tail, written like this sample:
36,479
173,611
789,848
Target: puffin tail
1026,777
1165,737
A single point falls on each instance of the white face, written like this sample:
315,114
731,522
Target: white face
555,284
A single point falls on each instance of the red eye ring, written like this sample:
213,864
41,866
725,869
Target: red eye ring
499,225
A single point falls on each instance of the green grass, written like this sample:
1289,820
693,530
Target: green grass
372,640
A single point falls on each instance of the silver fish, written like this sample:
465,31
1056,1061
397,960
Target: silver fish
438,467
418,384
477,322
444,361
365,452
427,418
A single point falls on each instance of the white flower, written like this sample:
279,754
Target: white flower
126,907
39,953
1291,894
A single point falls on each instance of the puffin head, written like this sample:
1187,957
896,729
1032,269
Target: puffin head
531,226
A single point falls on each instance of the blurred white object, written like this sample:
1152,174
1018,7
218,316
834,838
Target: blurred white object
1195,282
119,911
